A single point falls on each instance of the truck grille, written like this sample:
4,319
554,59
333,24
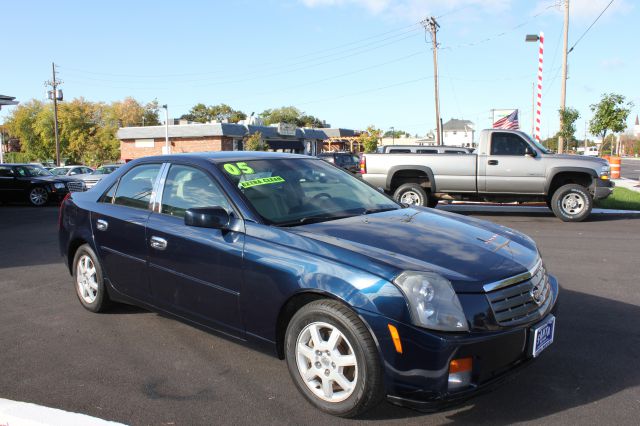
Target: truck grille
76,186
523,301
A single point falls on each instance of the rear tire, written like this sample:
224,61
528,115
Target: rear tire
411,194
88,280
333,359
572,203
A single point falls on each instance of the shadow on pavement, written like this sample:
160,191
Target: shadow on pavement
596,347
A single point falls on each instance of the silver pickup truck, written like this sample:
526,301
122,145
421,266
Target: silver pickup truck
508,166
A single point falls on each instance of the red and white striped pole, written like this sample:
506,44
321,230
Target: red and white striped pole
536,133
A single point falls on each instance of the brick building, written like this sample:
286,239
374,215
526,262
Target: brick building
136,142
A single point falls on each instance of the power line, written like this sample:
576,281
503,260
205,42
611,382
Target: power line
314,53
592,24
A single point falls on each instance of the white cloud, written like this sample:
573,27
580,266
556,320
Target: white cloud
613,63
416,9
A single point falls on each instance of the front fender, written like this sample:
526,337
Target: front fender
274,273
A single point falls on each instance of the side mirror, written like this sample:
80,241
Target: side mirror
207,217
530,152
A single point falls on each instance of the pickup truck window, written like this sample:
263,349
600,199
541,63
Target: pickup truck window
508,144
427,151
399,151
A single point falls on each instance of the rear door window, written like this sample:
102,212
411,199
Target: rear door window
135,187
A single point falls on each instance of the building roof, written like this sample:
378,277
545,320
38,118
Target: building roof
224,129
458,125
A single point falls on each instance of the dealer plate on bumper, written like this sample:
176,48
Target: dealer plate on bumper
543,335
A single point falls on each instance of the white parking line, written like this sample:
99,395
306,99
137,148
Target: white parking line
16,413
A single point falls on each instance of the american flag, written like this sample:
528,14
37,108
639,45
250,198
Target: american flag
509,122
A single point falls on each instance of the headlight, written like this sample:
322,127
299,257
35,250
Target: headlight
58,185
432,301
604,171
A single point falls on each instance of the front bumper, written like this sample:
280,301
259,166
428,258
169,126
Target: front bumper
418,377
602,188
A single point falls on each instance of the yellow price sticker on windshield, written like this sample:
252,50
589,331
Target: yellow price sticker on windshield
238,169
260,181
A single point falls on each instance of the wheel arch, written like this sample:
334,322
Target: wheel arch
417,174
298,300
560,176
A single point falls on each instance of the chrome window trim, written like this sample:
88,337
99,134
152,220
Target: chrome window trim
158,189
513,280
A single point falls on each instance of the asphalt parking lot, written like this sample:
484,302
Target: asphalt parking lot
137,367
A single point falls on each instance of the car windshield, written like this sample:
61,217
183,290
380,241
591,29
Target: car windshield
538,144
104,170
32,171
296,191
59,171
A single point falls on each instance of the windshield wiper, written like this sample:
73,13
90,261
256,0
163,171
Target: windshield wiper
313,219
379,210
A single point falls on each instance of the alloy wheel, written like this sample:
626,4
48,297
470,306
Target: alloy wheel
87,279
573,203
38,196
326,361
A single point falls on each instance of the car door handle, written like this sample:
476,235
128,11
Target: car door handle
158,243
102,225
493,162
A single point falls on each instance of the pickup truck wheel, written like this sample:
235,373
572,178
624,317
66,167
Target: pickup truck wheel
411,194
571,203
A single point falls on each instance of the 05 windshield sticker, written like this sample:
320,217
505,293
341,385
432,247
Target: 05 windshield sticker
261,181
238,169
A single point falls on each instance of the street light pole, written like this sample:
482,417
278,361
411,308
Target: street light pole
167,147
563,91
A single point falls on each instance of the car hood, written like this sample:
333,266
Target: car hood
51,179
467,251
89,177
575,157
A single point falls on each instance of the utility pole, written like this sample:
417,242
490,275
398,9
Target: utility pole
167,147
563,91
55,96
393,135
432,26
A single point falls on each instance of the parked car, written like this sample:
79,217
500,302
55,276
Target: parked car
32,183
363,297
89,179
508,166
71,170
423,149
345,160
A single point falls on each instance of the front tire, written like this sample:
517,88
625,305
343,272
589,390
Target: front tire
88,280
38,196
333,359
572,203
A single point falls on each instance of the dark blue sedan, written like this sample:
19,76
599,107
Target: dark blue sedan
363,297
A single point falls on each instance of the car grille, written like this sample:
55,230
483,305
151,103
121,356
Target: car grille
76,186
522,302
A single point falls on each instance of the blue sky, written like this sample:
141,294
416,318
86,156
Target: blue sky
350,62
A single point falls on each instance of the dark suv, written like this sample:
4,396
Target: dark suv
346,160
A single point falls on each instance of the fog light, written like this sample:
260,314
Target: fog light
460,373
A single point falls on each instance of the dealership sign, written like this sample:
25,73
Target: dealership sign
287,129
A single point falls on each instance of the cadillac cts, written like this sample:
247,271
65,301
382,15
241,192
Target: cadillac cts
363,297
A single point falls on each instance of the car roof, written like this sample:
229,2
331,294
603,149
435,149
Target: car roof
222,156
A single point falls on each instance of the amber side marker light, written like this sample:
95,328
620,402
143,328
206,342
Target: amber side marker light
460,373
395,337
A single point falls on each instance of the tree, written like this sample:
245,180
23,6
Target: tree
369,139
551,143
568,117
255,142
610,114
200,113
290,115
396,134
